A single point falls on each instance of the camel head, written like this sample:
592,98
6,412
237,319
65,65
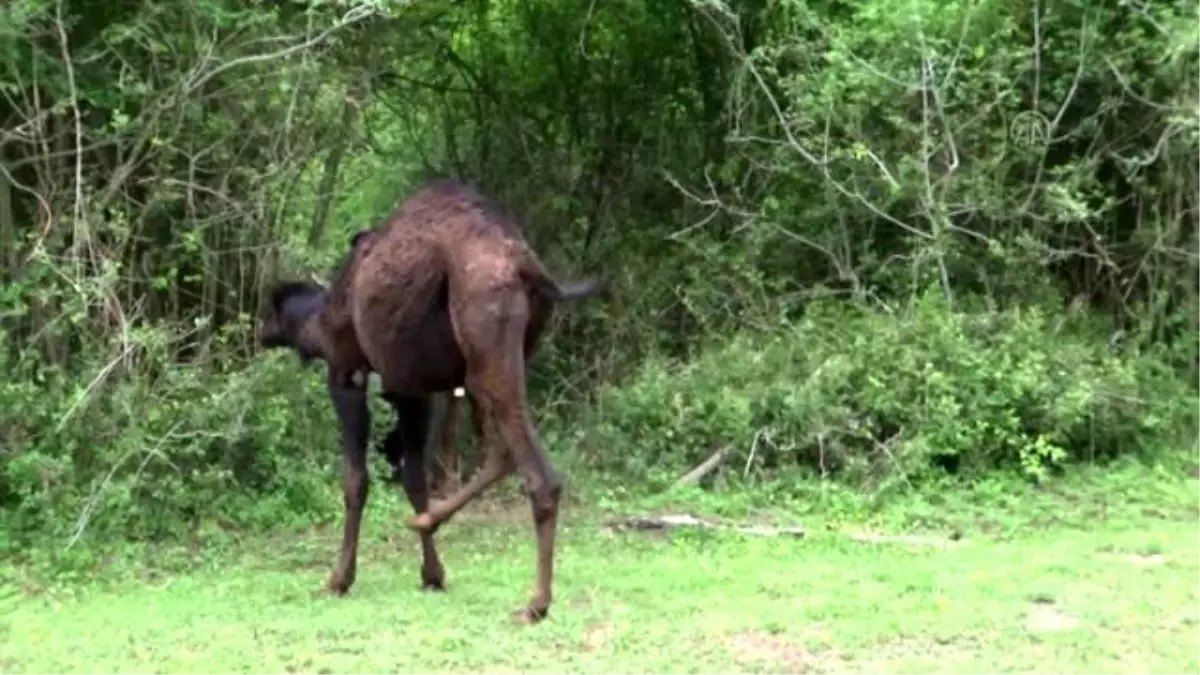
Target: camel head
288,319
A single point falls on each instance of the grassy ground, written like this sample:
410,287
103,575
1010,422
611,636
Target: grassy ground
1085,577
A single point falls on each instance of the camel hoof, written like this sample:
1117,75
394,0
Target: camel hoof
433,582
527,616
338,585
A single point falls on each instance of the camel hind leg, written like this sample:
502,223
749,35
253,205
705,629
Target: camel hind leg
491,328
497,464
445,467
543,483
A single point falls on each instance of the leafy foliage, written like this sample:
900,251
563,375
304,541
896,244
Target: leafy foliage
877,397
1032,165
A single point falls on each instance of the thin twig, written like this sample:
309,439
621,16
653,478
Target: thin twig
358,13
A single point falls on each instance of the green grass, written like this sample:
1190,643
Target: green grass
1108,585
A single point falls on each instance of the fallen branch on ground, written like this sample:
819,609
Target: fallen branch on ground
674,521
706,467
911,539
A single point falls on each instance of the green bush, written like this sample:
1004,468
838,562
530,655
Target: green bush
162,447
867,396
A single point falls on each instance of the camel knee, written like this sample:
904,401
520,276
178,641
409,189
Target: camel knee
355,489
544,498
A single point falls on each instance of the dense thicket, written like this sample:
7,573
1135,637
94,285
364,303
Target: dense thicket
934,167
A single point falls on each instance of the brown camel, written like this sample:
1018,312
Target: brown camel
446,293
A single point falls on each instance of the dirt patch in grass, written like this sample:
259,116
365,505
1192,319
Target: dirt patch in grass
1046,618
917,653
598,636
773,650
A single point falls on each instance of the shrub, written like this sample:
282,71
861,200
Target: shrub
863,395
162,447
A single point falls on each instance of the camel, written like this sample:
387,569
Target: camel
446,293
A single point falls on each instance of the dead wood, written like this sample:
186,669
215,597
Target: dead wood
675,521
704,468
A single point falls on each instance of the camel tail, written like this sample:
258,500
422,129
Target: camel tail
577,290
535,274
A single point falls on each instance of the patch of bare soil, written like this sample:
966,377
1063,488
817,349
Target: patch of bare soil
597,636
1043,618
881,657
772,649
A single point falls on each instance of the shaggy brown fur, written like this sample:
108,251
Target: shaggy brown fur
446,293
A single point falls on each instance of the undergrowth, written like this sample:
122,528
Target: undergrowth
875,399
843,400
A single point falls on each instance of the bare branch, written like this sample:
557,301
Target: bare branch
674,521
703,469
82,234
358,13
